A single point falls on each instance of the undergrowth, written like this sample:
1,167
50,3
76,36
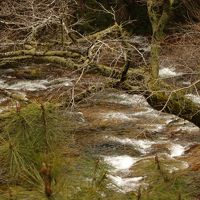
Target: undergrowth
35,162
30,146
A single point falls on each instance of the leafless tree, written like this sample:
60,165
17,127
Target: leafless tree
44,31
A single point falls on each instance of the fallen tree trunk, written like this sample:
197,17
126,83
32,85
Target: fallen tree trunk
33,52
65,59
176,103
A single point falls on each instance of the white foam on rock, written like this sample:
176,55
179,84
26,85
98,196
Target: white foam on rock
126,184
194,98
126,99
116,116
142,146
121,116
59,82
36,85
155,127
168,72
120,163
186,83
188,128
176,150
148,112
29,85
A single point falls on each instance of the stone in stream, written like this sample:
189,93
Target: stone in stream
103,147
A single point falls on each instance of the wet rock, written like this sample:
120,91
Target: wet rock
108,147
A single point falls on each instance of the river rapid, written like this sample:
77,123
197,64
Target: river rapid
120,130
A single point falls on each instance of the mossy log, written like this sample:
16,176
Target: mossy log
176,103
19,60
100,34
65,59
33,52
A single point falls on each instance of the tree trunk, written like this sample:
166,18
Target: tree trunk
154,59
158,15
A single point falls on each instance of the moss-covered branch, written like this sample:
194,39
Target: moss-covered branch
175,103
33,52
13,59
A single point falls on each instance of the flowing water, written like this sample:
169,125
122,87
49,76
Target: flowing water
128,132
121,130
